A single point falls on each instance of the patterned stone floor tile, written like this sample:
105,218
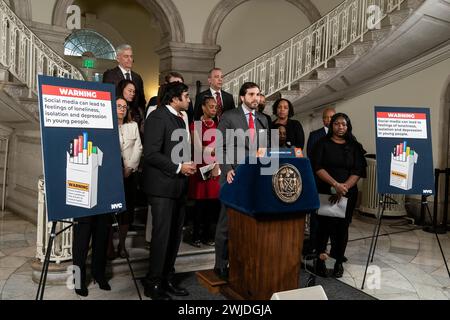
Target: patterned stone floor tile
410,263
12,262
5,273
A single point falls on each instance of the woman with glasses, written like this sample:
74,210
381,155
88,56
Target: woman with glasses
131,150
338,161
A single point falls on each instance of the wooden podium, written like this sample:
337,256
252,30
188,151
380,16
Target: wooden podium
265,230
265,254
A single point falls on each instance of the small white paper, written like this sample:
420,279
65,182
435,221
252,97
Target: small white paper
206,171
336,210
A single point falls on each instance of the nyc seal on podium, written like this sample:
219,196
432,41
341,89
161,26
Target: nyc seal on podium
287,183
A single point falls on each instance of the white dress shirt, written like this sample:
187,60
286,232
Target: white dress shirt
186,123
247,111
125,71
213,94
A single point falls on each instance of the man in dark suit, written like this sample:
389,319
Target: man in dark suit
123,71
234,149
224,100
315,136
165,183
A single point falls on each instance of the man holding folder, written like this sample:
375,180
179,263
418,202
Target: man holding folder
165,183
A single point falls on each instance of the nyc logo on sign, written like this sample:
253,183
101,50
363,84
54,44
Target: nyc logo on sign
116,206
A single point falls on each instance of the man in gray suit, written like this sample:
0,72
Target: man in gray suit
234,149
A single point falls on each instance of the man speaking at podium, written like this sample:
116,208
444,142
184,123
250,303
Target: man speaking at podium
234,149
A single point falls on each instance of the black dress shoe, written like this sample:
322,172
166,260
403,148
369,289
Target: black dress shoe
210,242
156,292
222,273
344,258
321,268
196,243
103,284
171,288
83,291
144,282
338,271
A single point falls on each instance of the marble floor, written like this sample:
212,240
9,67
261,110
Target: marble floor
408,260
409,263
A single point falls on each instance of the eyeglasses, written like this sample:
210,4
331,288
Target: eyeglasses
120,106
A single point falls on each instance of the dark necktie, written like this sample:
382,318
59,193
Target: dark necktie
180,120
127,76
219,104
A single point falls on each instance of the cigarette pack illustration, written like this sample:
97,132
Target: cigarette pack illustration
83,161
403,160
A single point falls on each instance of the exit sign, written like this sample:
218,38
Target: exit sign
89,63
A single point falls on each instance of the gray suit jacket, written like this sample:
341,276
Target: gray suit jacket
236,146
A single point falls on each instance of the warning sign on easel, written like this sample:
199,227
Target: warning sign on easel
404,152
80,148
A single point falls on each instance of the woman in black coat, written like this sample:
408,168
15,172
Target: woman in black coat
283,109
338,162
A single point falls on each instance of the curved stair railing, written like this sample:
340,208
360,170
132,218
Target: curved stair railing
25,55
283,66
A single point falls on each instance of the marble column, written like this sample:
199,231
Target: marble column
192,60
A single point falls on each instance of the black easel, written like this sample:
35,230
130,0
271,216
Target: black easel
53,235
116,226
44,272
436,234
442,228
376,231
